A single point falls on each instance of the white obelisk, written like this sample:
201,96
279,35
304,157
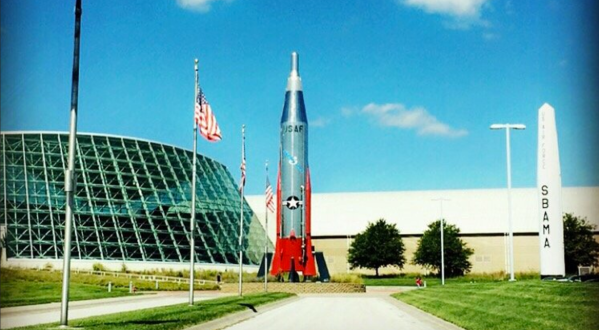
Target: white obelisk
549,187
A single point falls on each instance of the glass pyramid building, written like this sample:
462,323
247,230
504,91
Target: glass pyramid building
132,201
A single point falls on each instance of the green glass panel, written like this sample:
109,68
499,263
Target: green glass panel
132,201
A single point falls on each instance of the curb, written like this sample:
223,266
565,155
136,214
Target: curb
231,319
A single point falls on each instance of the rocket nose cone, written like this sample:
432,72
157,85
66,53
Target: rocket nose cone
295,63
294,82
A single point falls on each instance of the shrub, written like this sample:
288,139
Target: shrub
379,245
580,247
98,267
347,278
455,251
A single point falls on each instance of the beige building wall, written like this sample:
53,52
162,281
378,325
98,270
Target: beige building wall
489,254
336,249
481,215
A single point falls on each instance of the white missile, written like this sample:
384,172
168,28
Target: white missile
549,186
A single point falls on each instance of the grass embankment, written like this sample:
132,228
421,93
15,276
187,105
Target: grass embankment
173,317
30,287
409,279
227,276
21,293
529,304
22,287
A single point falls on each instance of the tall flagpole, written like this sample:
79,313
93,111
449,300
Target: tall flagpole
69,179
266,238
241,215
193,196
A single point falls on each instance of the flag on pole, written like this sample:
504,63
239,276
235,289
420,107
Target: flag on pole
242,182
270,201
205,119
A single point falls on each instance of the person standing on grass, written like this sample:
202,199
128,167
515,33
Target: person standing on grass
418,281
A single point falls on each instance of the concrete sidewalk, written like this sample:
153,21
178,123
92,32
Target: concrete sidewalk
335,312
375,309
13,317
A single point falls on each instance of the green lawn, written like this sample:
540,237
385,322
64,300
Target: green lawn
19,292
410,279
395,281
30,286
528,304
173,317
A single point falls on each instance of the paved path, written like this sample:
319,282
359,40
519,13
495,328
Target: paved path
340,311
47,313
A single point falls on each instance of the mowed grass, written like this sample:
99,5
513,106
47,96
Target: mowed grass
21,287
394,281
20,293
529,304
122,281
409,279
29,286
173,317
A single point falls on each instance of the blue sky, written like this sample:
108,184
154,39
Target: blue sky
400,93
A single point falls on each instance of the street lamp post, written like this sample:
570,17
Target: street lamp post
507,128
70,178
442,229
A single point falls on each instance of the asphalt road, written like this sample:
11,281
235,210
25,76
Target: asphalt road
13,317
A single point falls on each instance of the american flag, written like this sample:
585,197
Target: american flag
270,201
242,182
204,118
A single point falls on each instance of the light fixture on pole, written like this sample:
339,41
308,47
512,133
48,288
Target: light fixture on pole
442,229
507,128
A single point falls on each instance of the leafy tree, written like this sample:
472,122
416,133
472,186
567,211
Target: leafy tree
580,247
378,246
456,253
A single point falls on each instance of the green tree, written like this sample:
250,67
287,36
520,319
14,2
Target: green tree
456,253
580,247
378,246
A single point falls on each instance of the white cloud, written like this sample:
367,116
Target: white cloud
463,13
197,5
456,8
509,7
417,118
348,112
490,36
319,122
